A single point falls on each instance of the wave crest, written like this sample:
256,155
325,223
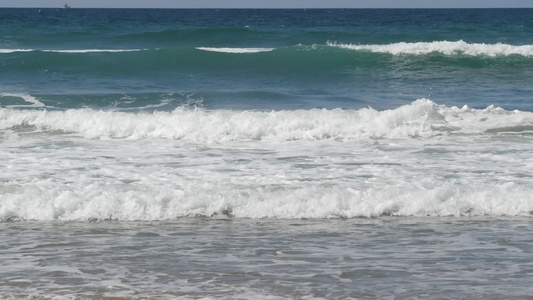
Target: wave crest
422,118
443,47
235,50
94,201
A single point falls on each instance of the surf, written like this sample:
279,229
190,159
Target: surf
150,199
235,50
421,119
442,47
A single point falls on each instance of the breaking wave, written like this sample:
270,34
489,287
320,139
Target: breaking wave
443,47
422,118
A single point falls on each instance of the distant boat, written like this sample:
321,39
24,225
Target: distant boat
66,6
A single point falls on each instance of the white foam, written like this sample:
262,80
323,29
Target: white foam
27,98
443,47
6,51
416,160
105,199
235,50
422,118
94,50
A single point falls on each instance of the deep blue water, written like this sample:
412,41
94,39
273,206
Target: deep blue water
304,63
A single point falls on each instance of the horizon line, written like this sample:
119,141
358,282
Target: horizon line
238,7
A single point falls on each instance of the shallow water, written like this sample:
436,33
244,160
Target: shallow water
192,258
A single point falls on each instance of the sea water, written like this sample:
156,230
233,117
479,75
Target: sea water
266,154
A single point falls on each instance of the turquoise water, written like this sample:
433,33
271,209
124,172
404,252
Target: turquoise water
280,154
301,58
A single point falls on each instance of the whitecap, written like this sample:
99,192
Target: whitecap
420,119
26,98
235,50
443,47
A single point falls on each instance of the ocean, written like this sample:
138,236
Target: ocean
266,154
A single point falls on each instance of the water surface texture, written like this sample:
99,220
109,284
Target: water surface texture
269,154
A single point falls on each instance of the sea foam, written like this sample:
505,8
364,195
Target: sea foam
94,50
235,50
420,159
422,118
34,102
5,51
46,200
443,47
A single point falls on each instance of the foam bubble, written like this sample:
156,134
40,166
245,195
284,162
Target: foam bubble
443,47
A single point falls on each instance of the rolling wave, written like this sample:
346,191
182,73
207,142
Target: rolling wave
420,159
403,48
297,59
88,201
421,119
443,47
